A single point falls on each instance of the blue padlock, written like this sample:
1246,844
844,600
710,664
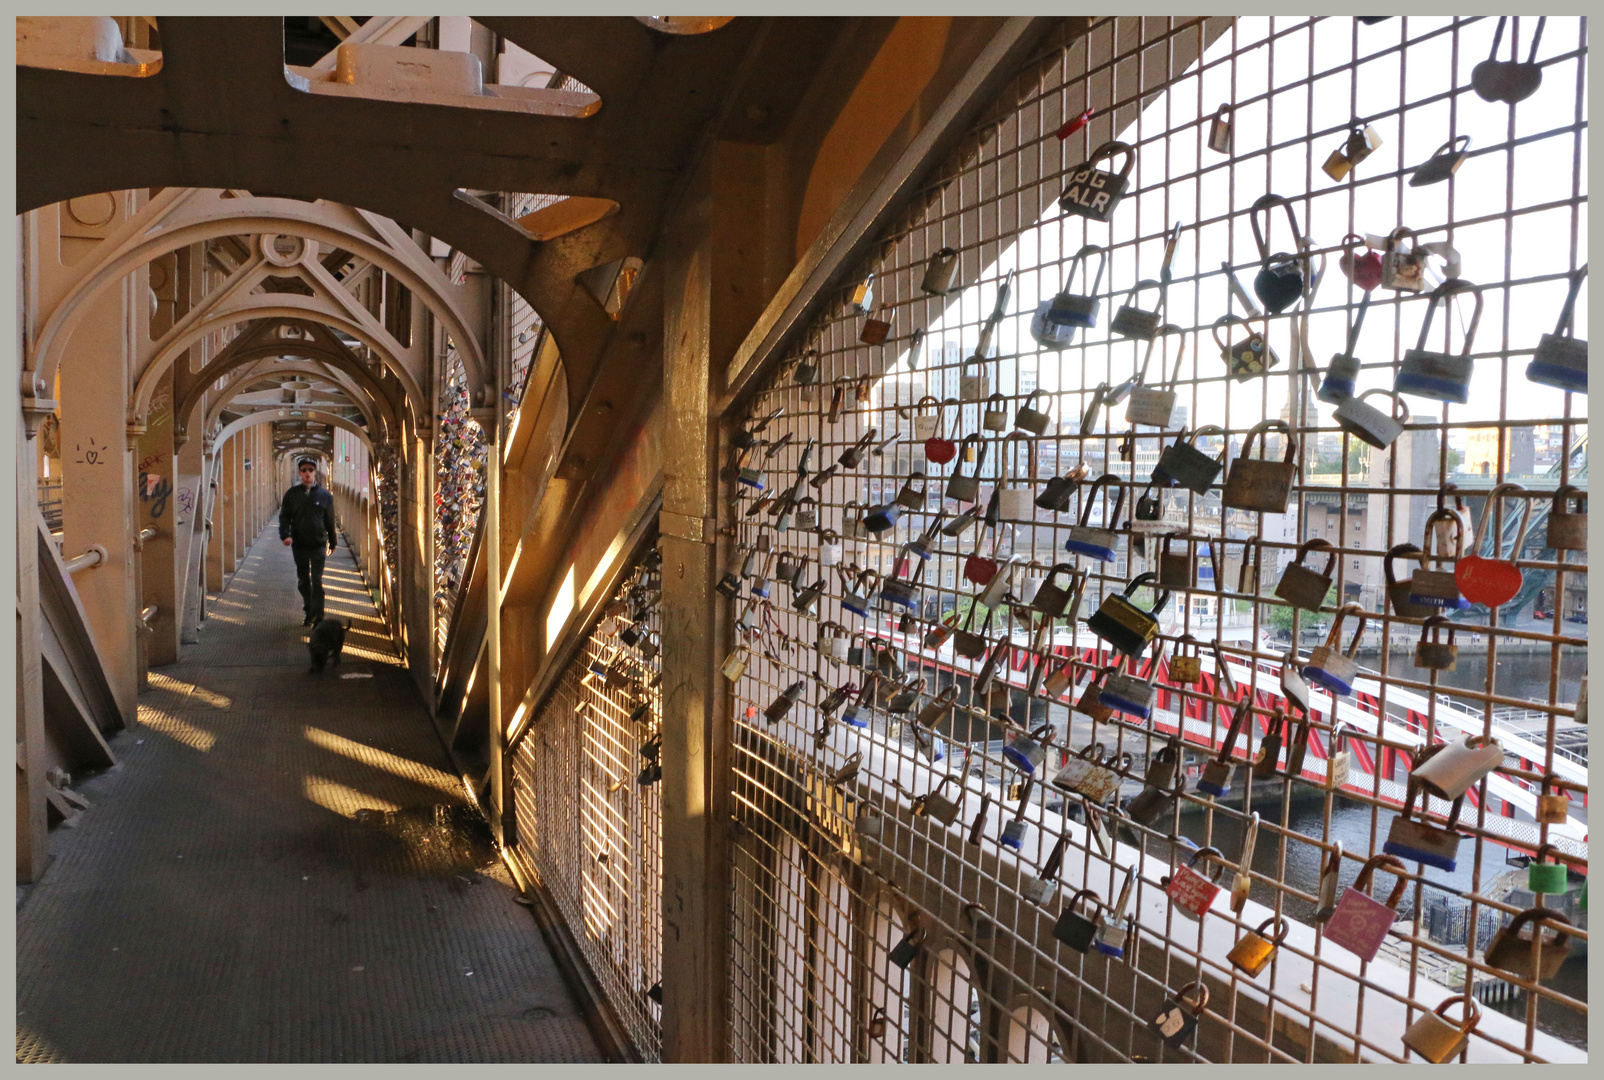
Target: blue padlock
1328,665
1440,376
1130,694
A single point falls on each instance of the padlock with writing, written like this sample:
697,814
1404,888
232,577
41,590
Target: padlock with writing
1454,767
1122,624
1093,192
1075,928
729,585
1422,842
1032,419
1403,269
1493,581
1042,886
1436,1038
1433,587
1249,357
1516,952
926,425
1548,878
1184,464
1368,423
781,705
1561,357
1328,665
1442,164
1178,1018
1567,520
940,272
1362,141
1340,760
1440,376
1257,484
1012,498
1087,539
1131,695
1359,922
994,416
1133,322
1189,890
1155,406
1253,953
1016,830
1186,666
1280,280
966,489
1098,781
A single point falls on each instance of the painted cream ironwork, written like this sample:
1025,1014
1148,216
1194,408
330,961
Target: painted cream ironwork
914,844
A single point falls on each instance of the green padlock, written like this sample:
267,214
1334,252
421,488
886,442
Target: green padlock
1548,878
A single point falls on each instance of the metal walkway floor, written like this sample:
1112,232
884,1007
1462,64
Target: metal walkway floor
283,868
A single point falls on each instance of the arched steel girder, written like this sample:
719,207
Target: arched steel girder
177,218
318,415
216,409
254,345
288,307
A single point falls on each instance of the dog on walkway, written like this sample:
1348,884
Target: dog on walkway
326,641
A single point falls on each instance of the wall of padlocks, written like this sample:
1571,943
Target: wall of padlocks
1161,578
459,460
587,803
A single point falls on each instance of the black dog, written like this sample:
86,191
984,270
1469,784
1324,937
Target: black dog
326,641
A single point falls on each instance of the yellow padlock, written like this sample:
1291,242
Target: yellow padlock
1252,954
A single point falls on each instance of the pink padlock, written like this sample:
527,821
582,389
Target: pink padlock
1192,892
1361,922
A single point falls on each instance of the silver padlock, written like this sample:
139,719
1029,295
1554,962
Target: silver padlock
1343,372
1561,358
1432,586
1567,520
1184,464
1220,131
1339,763
1057,319
935,805
1368,423
1030,419
1150,406
1086,539
961,488
940,272
1455,767
1129,694
1027,752
1328,665
1440,376
1041,887
1133,322
829,548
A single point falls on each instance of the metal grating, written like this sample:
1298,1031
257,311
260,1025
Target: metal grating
588,804
818,908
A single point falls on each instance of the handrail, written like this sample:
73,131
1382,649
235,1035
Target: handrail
94,555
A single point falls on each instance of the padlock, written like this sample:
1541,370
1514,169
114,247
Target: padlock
1403,269
1255,484
926,425
848,770
836,698
1162,785
1131,321
879,519
1122,624
806,600
1083,537
936,710
1517,952
966,489
922,545
1298,746
1368,423
1149,513
1561,358
1220,130
745,438
1129,694
760,576
1442,164
1552,809
1437,1039
1097,780
960,523
1056,493
1147,405
1266,765
1328,665
1176,570
994,415
1075,929
860,297
1184,464
940,272
807,516
829,548
1326,900
1363,270
1056,320
1431,652
1430,587
1453,768
1359,922
1253,953
933,804
1339,763
1423,843
1509,80
1245,359
968,644
1089,703
805,372
1190,891
998,588
1280,281
729,585
1027,752
1440,376
907,950
868,824
877,327
1362,141
1178,1018
1093,192
781,705
906,698
735,663
1040,888
913,492
973,385
903,592
787,566
1186,667
1567,527
999,312
1052,599
1032,419
858,592
1547,878
1493,581
1343,371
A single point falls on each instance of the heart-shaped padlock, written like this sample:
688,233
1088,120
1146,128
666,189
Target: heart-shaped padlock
1279,282
1363,270
1492,581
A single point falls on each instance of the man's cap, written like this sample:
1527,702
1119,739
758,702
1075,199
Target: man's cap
304,462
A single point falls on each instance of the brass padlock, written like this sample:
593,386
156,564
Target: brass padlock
1431,652
1552,809
1437,1039
1186,667
1252,954
1090,702
1362,141
1122,624
1567,527
1517,952
1263,486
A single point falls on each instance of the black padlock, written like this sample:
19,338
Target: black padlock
781,705
907,950
1075,929
1093,192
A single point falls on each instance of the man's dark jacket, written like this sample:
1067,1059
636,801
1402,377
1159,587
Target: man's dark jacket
307,516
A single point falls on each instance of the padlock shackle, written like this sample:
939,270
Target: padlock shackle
1393,865
1151,579
1222,672
1334,637
1145,283
1392,553
1267,203
1444,293
1442,513
1317,544
1209,853
1089,496
1433,627
1514,57
1263,428
1202,995
1566,326
1055,859
1397,402
1543,915
1472,1011
1568,494
1077,263
1108,150
1499,493
1074,901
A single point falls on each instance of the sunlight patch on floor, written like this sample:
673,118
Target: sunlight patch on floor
343,800
405,768
199,693
180,730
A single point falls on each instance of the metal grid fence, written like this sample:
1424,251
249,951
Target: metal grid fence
588,805
865,928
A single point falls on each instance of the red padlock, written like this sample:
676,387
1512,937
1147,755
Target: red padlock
1493,581
938,448
1192,892
1363,270
977,567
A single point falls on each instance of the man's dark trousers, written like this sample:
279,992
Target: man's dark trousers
309,575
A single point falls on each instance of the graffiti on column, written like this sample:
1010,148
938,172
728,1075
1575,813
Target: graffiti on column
153,491
94,454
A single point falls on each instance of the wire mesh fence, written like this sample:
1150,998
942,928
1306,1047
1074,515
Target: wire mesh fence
1074,481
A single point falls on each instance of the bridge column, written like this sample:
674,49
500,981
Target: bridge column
213,493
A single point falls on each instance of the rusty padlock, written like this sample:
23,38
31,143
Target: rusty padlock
1252,954
1255,484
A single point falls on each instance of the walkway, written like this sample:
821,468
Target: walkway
283,868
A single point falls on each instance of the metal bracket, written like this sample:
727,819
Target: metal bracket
698,530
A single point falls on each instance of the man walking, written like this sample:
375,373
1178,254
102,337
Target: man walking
306,523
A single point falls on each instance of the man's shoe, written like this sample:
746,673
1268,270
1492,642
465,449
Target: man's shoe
308,620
